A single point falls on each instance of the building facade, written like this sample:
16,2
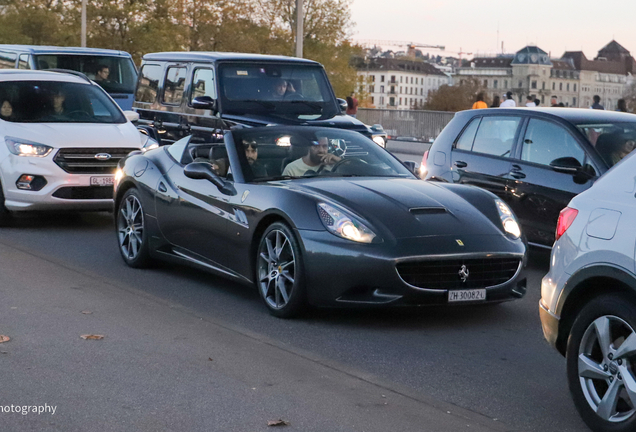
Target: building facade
573,79
400,83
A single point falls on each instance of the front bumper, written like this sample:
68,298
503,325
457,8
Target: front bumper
73,189
342,273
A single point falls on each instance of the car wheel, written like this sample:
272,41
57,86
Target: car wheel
601,364
5,215
131,230
279,272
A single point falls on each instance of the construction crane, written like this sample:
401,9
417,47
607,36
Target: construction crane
410,46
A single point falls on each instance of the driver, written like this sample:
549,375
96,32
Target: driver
317,157
102,73
281,88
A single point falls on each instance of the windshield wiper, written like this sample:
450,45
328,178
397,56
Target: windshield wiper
272,178
263,103
313,105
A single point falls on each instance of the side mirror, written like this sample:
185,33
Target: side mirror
411,166
566,165
204,102
131,116
203,171
343,105
377,128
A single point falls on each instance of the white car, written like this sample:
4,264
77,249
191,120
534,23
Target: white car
588,298
61,137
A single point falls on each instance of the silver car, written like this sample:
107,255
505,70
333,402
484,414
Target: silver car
588,299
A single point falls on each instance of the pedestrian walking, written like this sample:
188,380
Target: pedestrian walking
509,102
621,105
479,103
496,101
597,103
530,102
352,105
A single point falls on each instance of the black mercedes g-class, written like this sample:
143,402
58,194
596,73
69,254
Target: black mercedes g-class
179,93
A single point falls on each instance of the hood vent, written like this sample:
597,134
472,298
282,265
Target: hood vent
427,210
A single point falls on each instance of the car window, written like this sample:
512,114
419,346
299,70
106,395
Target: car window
545,142
495,135
7,60
57,102
149,78
465,141
613,141
203,83
24,62
174,85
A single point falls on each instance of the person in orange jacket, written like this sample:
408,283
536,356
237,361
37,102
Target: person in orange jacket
480,102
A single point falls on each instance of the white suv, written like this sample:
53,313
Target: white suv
588,298
61,137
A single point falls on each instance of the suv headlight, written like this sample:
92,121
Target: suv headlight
343,225
508,220
22,147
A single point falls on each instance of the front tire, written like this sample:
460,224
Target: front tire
601,364
132,234
279,272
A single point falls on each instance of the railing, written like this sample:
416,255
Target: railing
419,124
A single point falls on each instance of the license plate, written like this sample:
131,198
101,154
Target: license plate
466,295
103,181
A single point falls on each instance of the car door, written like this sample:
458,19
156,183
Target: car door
537,191
481,154
193,214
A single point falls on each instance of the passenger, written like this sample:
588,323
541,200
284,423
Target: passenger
6,110
58,103
251,153
614,147
102,73
317,156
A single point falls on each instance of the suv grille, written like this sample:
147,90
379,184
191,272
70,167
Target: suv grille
445,274
83,161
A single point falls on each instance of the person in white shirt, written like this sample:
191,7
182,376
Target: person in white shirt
530,102
317,155
509,102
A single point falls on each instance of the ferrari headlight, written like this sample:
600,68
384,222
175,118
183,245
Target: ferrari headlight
344,225
508,220
27,148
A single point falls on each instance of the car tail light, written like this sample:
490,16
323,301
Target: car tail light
566,217
423,169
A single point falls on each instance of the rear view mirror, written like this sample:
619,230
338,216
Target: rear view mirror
343,105
204,102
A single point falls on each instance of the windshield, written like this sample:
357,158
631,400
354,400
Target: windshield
56,102
284,90
275,153
114,74
613,141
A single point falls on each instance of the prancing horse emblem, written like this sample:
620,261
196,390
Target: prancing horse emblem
459,242
463,273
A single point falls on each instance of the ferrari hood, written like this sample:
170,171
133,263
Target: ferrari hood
59,135
405,207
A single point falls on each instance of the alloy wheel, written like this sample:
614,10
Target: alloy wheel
606,359
276,269
130,227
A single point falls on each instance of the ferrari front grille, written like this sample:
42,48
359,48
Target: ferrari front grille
458,273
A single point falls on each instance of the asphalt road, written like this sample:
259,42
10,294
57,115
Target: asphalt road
487,367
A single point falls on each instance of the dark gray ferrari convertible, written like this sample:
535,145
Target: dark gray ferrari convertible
316,216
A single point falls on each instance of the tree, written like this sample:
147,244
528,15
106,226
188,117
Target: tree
454,98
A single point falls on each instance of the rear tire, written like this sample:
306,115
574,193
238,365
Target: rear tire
601,364
279,272
132,234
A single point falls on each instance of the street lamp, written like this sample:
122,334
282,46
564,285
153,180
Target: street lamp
84,23
299,28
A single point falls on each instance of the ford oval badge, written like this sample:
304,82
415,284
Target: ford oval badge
102,156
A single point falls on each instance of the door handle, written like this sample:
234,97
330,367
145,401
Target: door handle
162,187
517,173
461,164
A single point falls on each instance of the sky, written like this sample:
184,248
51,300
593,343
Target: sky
471,26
